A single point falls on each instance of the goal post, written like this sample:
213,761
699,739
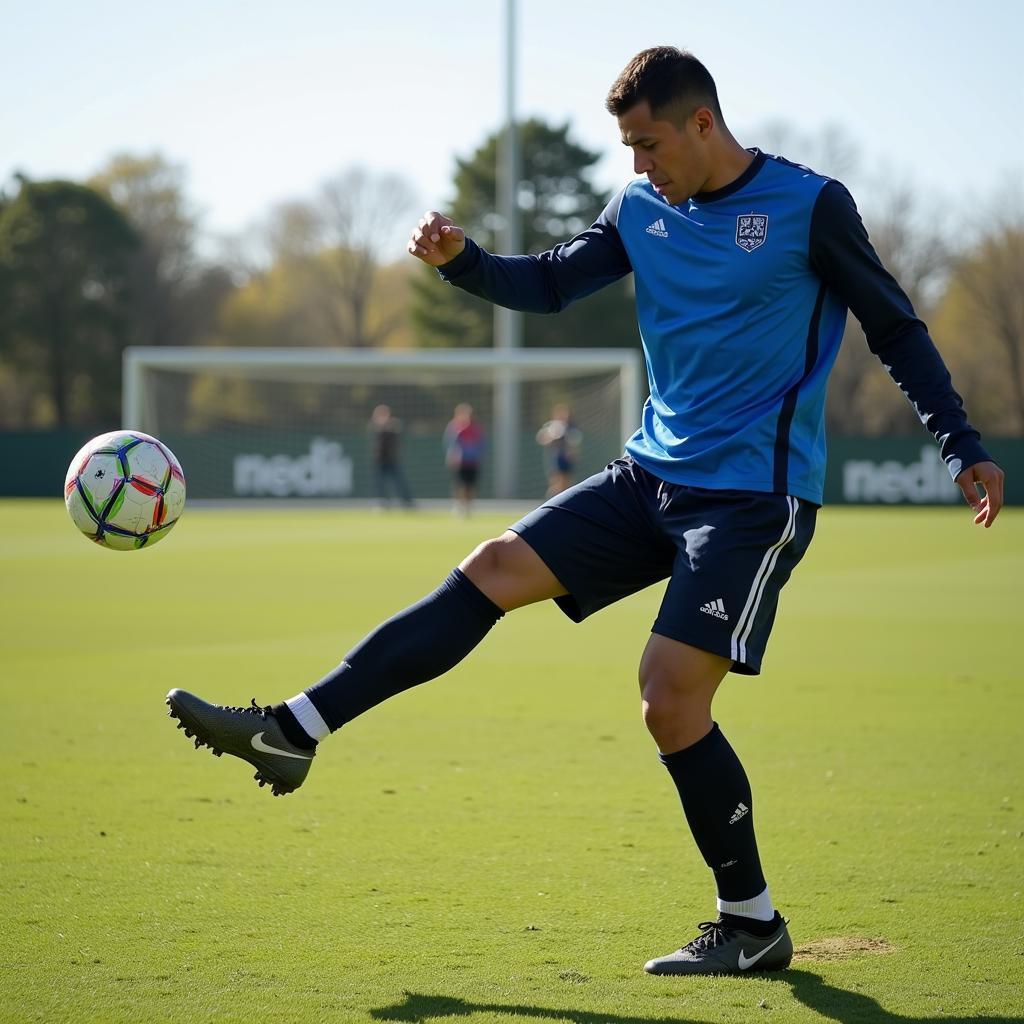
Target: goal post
292,422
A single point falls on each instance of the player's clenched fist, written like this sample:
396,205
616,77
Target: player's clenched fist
436,239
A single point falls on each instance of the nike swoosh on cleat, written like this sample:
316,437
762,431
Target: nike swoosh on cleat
258,744
743,963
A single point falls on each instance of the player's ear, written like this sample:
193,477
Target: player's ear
704,121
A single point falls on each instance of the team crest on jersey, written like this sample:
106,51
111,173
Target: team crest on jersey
751,230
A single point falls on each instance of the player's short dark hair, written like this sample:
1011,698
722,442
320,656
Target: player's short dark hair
665,77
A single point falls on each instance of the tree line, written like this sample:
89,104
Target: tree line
87,268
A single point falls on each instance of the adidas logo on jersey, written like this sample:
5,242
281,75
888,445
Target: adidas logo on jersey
740,812
658,228
715,608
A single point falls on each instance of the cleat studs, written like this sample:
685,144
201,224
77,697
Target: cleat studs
181,725
198,742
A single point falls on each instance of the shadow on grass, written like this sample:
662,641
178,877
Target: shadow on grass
810,989
856,1008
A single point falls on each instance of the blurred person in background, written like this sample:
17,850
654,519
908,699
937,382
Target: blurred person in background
561,443
463,455
385,432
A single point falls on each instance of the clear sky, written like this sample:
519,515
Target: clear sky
262,101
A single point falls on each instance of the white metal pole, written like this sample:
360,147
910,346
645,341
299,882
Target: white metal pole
131,389
508,324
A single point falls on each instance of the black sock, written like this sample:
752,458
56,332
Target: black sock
716,800
751,924
293,732
414,646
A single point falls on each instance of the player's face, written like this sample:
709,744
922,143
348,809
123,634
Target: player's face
671,156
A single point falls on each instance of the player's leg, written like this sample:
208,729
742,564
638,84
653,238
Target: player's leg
416,645
380,484
428,638
460,492
597,539
472,474
678,683
736,553
404,491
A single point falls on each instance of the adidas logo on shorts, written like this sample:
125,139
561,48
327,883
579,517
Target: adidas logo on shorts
715,608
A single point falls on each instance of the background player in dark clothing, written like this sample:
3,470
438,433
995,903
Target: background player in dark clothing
561,442
744,267
385,433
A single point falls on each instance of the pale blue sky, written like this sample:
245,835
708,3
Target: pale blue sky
262,101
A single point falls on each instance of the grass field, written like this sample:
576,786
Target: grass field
502,845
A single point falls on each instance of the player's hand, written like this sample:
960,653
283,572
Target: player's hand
986,504
436,239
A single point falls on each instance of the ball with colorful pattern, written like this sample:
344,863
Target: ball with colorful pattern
125,490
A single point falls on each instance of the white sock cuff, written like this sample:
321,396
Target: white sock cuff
760,907
308,717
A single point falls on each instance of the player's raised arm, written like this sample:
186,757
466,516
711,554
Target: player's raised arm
437,239
542,283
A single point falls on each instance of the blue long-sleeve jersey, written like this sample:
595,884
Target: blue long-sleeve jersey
741,298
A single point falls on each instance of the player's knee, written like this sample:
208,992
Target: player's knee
676,693
510,572
489,561
675,718
669,674
666,704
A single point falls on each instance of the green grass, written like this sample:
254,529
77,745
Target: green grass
502,845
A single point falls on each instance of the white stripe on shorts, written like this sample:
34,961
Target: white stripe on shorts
745,623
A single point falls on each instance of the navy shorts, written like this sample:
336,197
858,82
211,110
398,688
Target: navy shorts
726,554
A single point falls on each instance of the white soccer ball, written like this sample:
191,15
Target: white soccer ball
125,490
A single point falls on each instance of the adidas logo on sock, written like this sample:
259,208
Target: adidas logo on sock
715,608
740,811
658,228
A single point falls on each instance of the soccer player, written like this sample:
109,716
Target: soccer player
745,265
560,440
463,453
385,433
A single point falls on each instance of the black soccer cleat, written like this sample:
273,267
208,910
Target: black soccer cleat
252,734
723,949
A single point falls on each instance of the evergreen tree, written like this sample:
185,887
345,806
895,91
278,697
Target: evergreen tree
65,309
558,200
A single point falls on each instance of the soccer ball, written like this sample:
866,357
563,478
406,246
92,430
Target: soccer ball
125,490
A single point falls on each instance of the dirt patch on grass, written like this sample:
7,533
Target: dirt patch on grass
842,947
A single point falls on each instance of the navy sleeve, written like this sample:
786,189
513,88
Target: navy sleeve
549,282
844,258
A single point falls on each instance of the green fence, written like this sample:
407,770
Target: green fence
908,471
275,464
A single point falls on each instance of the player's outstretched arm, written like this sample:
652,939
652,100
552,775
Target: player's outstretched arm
986,505
436,239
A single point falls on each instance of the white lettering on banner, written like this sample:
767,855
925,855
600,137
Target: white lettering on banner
891,482
324,471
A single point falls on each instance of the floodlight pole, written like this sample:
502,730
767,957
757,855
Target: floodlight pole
508,324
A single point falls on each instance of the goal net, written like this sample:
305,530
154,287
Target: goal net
294,423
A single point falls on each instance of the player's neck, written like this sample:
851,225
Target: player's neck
729,163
